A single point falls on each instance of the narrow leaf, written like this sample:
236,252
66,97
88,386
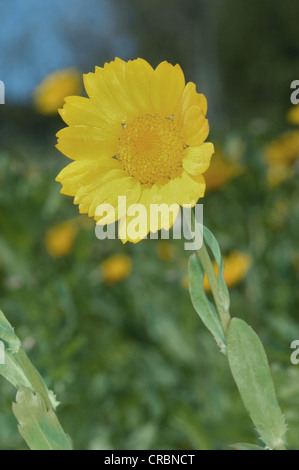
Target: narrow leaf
8,335
214,247
14,372
250,369
202,305
241,446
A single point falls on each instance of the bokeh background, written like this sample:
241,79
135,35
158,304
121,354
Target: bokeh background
111,327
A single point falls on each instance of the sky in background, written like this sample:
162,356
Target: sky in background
40,36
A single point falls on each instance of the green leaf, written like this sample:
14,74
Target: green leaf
214,247
14,372
241,446
8,335
14,263
38,426
18,369
20,372
202,305
250,369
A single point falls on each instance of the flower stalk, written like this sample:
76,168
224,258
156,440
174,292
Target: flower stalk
207,265
246,356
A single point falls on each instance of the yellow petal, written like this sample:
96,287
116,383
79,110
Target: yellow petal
133,214
79,173
139,74
126,187
189,98
115,183
197,159
79,111
185,189
99,93
116,81
86,143
195,127
167,87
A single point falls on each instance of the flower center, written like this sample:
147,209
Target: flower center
151,148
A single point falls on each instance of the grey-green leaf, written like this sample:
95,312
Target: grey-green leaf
8,335
250,369
13,371
214,247
244,446
203,307
38,426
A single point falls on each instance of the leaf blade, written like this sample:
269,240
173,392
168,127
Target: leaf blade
38,426
250,369
204,308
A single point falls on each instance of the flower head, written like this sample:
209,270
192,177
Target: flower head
140,134
237,265
280,156
293,115
60,239
50,93
221,171
116,268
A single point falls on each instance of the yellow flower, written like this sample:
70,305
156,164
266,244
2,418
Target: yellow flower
237,265
284,150
280,156
293,115
165,250
140,134
116,268
50,93
276,173
278,213
60,239
185,282
221,171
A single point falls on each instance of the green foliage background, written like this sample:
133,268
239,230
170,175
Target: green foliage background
131,363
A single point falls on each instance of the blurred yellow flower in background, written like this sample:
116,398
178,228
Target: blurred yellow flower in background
293,115
165,250
60,239
237,265
278,213
277,173
49,95
185,282
140,134
280,156
284,150
116,268
221,171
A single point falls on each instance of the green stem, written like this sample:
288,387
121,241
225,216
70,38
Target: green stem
207,265
34,377
208,268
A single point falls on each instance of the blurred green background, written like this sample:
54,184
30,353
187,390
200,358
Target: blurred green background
130,361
